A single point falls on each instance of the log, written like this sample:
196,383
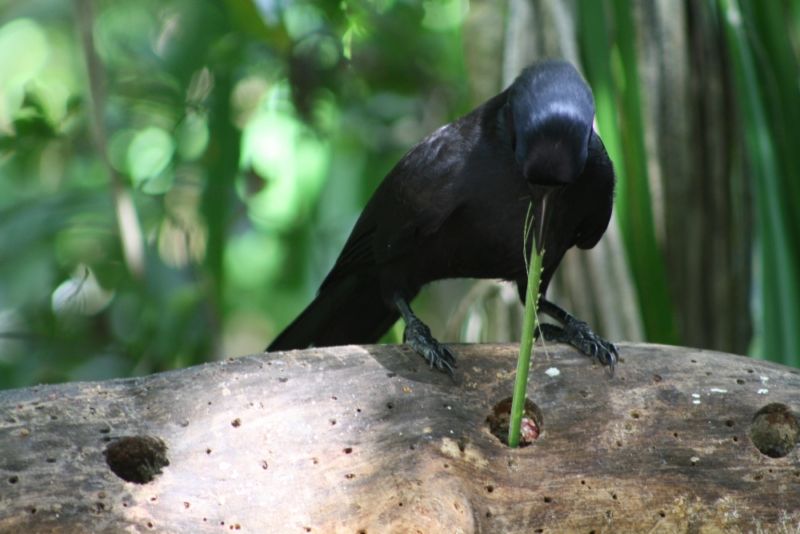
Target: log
366,439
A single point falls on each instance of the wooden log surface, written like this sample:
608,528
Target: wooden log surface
368,439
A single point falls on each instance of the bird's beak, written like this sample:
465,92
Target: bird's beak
541,222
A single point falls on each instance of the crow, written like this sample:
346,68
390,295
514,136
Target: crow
455,206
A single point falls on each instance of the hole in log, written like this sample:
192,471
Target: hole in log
532,421
348,450
729,423
137,458
13,479
489,488
236,423
548,500
775,430
739,381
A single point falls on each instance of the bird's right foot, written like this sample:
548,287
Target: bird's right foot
418,336
578,334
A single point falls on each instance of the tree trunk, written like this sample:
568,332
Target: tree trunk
368,439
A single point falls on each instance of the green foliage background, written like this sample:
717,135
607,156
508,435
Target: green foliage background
249,134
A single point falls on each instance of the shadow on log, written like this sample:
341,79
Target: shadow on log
367,439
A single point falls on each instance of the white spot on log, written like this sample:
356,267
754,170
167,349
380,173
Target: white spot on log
718,390
763,391
552,372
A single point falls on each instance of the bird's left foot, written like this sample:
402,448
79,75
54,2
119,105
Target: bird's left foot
418,336
578,334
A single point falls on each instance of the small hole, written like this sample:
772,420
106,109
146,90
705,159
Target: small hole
635,415
694,361
583,482
736,439
208,451
348,450
750,371
739,381
50,460
548,500
657,378
729,423
662,513
775,431
350,476
675,435
619,444
389,405
13,479
614,496
334,397
332,421
489,488
236,423
488,514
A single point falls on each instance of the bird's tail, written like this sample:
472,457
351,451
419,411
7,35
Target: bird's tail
348,311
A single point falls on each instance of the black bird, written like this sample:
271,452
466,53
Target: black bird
455,206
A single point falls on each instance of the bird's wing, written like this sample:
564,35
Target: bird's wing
598,177
412,202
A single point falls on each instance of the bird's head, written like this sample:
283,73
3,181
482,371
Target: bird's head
550,110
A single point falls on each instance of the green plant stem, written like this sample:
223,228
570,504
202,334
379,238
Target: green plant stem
529,323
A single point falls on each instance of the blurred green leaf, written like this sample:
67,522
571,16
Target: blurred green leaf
149,153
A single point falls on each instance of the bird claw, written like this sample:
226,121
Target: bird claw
578,334
418,336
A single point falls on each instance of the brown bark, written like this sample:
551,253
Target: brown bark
367,439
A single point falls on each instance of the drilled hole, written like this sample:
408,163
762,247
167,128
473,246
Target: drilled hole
532,421
775,430
137,458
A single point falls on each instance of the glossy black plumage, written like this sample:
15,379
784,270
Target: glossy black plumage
455,205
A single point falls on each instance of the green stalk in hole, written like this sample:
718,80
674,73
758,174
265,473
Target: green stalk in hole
529,323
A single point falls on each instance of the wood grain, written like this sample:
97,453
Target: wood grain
367,439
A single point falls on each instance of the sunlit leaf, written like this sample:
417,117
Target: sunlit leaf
149,154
